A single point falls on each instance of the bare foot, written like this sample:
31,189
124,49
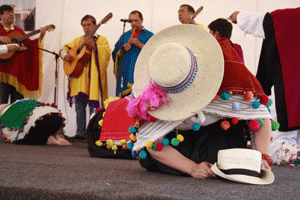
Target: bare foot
62,141
57,140
51,140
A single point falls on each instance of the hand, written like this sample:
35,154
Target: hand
5,39
13,48
265,164
127,47
43,32
134,41
90,42
233,17
68,58
203,170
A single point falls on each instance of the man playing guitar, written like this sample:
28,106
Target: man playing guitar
20,75
86,87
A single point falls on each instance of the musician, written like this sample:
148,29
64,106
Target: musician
185,14
92,82
134,40
21,74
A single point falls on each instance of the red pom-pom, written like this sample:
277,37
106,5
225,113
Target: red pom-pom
234,121
225,125
264,99
248,96
152,119
254,125
215,98
159,146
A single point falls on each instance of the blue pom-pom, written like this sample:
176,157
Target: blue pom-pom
130,145
143,154
165,142
196,127
225,96
235,106
255,104
132,129
134,154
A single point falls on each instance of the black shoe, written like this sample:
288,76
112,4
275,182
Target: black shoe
75,138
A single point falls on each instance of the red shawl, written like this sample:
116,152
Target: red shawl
22,69
286,24
237,78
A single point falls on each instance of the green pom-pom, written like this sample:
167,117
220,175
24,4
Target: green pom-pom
132,129
143,154
154,147
165,142
261,121
255,104
275,126
225,96
296,162
175,142
196,127
269,103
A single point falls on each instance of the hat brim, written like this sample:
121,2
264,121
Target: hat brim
207,81
267,176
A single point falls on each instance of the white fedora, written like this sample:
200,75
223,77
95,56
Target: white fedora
186,62
242,165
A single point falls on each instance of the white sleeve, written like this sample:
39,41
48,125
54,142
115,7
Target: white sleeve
252,23
3,49
63,53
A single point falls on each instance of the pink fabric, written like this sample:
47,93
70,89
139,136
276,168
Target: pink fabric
150,99
239,51
286,25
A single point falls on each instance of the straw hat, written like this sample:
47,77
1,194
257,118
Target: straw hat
242,165
186,62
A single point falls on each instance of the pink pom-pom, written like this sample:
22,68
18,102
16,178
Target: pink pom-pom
159,146
264,99
225,125
248,96
254,125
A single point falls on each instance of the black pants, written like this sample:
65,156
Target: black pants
39,134
202,145
6,90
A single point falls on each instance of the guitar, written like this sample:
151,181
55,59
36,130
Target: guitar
81,55
197,12
17,38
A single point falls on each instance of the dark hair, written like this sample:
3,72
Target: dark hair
223,26
137,12
190,8
5,8
88,17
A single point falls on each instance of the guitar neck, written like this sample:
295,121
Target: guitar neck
94,31
23,37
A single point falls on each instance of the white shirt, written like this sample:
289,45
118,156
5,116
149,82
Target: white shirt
3,49
252,23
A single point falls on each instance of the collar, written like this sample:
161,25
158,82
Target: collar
8,29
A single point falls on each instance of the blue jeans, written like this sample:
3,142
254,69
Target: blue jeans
80,108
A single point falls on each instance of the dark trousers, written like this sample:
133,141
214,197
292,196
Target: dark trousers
200,146
6,90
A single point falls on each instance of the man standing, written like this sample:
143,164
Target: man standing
185,14
20,75
134,41
92,82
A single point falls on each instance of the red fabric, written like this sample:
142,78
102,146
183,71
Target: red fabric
239,51
286,26
116,121
237,78
24,65
137,33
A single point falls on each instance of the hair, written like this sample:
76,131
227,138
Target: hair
88,17
190,8
137,12
5,8
223,26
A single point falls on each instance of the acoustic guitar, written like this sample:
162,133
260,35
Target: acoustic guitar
17,38
81,54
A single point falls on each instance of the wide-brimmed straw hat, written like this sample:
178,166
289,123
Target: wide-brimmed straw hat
186,62
242,165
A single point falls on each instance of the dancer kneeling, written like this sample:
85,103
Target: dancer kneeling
195,97
31,122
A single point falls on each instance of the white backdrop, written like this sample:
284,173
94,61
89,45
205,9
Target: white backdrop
158,14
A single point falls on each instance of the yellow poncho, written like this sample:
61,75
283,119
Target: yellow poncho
92,87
